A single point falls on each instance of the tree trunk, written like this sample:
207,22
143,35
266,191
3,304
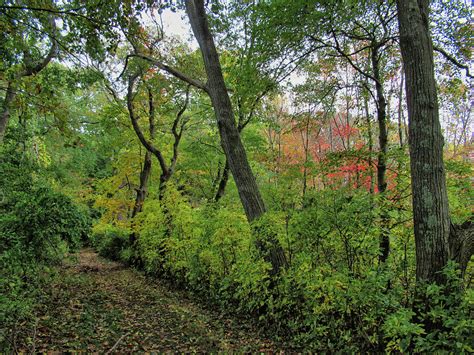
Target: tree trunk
381,156
5,115
370,142
224,178
147,164
141,192
249,193
142,189
461,244
430,200
400,109
230,137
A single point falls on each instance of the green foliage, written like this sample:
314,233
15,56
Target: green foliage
441,319
151,226
38,226
211,250
460,191
333,296
111,241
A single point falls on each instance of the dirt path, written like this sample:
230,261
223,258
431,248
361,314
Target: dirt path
98,306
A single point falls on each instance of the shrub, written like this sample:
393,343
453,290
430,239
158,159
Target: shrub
38,226
111,241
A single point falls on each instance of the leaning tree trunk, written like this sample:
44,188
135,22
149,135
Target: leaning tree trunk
430,200
249,193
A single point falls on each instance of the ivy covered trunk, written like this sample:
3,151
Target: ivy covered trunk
430,200
234,150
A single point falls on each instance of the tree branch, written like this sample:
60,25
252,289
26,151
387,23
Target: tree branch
32,69
177,135
196,83
453,60
70,12
148,145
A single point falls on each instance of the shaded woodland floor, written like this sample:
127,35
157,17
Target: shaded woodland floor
95,305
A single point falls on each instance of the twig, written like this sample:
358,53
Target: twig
33,346
117,343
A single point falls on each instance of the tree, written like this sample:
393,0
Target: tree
177,131
12,69
352,33
435,241
230,138
147,162
36,31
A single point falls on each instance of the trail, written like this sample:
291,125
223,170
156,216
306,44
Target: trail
95,305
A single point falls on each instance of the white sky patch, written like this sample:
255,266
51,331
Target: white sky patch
176,24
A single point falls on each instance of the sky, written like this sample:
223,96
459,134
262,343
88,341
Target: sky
176,25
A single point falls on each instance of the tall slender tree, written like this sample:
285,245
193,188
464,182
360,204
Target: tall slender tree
230,138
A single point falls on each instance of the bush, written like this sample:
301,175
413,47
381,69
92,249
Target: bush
38,226
333,297
442,319
111,241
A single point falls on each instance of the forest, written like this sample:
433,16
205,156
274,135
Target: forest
236,176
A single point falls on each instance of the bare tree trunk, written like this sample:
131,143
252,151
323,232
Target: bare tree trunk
370,142
249,193
224,178
430,200
400,108
382,155
142,189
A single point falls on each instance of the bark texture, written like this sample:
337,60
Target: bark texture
461,244
430,201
